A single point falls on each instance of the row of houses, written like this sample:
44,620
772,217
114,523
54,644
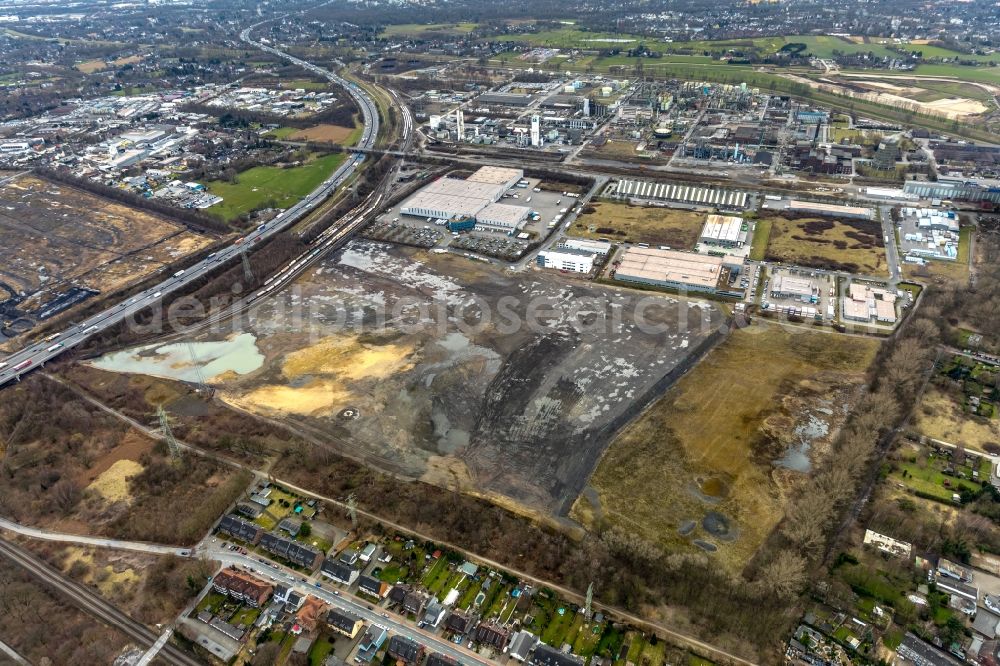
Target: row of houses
429,612
287,548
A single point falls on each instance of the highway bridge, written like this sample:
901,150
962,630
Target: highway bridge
20,362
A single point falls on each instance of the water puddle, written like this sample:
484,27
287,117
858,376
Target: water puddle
796,457
190,362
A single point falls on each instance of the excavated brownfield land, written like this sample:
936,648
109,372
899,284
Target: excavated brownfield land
450,389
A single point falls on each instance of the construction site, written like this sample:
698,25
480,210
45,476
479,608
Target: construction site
458,373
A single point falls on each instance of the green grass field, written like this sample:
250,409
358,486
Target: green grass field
264,186
930,480
281,132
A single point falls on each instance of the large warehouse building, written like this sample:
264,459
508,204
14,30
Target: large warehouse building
833,210
669,268
724,231
475,197
687,194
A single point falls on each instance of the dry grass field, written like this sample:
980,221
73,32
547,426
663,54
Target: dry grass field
854,246
324,132
705,449
638,224
942,417
53,234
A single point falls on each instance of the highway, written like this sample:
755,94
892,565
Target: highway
20,362
94,605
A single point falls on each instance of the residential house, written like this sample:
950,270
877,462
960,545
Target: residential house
367,553
986,623
413,603
373,587
522,644
294,601
405,650
918,653
493,634
349,556
370,643
433,613
952,586
398,593
458,623
338,571
344,623
309,615
291,527
546,655
294,552
250,511
242,587
240,529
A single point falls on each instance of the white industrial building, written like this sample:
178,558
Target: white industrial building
689,194
597,247
494,175
568,259
502,217
932,218
443,206
669,268
866,303
787,286
724,231
890,193
833,210
474,197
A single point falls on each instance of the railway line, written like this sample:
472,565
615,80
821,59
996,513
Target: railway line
92,604
37,354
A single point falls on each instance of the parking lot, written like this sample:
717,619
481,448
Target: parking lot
549,209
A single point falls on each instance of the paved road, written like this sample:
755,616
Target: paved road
92,604
137,546
366,611
37,354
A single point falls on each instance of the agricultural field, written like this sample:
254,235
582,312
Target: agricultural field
271,186
853,246
99,64
407,395
622,222
418,29
330,133
962,406
55,237
710,464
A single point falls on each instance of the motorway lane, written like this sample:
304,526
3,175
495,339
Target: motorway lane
366,611
37,354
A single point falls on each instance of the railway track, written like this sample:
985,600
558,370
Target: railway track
93,605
